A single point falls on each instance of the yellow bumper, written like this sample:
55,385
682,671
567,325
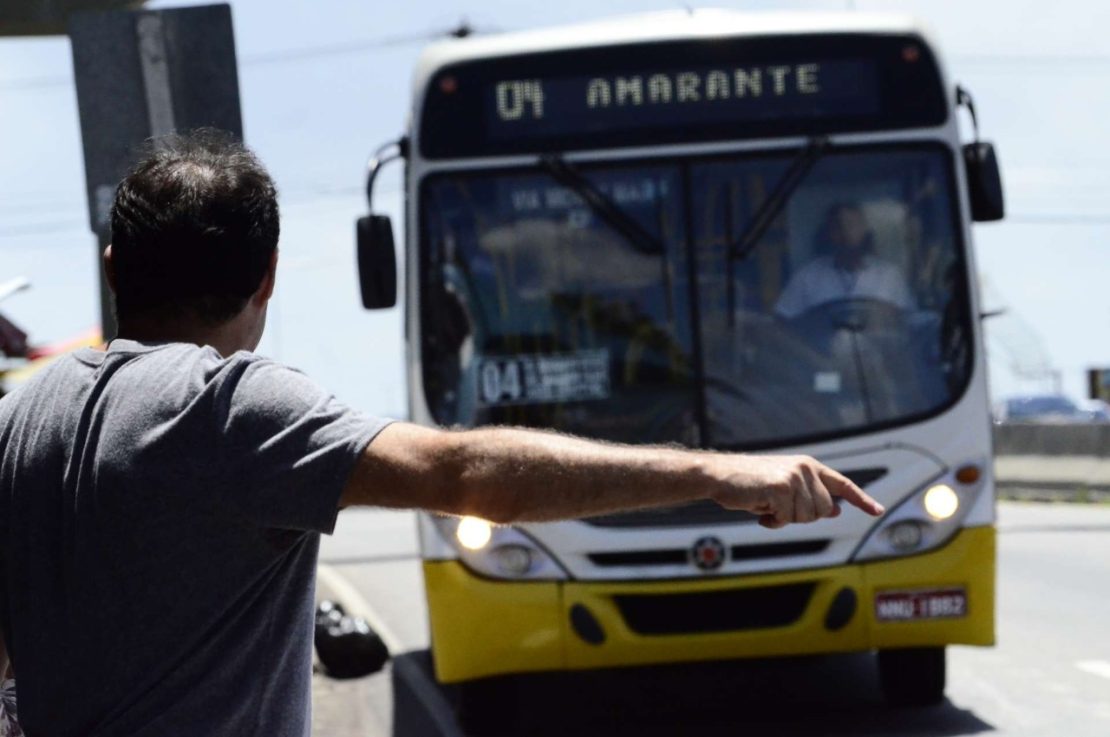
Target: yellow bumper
484,628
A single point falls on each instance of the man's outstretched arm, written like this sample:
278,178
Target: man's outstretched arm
514,475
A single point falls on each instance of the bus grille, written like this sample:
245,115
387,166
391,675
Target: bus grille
681,556
715,611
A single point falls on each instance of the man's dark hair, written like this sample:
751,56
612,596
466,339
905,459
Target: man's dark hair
194,226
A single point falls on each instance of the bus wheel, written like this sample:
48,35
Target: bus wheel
913,676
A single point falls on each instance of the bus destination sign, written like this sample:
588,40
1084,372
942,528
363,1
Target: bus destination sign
685,91
661,98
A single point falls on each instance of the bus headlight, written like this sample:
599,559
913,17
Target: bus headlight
473,533
498,552
925,520
941,502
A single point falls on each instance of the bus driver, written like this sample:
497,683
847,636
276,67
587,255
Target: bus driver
849,270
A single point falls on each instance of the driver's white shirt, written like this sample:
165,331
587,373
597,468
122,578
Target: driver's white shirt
821,281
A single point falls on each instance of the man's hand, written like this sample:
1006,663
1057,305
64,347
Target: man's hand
785,489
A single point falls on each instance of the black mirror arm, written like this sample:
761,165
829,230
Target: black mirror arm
963,99
387,153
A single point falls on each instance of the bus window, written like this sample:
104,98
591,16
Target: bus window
848,314
567,324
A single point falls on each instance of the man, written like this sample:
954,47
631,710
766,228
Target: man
161,501
851,270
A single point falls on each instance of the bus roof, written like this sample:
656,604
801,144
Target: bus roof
658,26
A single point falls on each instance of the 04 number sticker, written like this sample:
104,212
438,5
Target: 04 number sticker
501,381
544,379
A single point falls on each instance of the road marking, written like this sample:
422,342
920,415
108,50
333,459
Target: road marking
357,606
1095,667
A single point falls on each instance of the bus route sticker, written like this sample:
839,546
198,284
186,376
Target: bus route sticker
906,606
544,379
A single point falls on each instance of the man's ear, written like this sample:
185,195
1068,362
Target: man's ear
109,268
266,288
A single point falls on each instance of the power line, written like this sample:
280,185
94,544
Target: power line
277,57
299,198
337,49
274,57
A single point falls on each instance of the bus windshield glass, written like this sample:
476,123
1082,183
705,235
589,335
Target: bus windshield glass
849,313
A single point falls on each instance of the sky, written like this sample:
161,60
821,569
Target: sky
322,84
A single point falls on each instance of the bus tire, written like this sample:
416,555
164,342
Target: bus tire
913,676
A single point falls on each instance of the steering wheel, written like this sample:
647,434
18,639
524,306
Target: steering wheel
854,314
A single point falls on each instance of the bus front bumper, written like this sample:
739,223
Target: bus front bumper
484,628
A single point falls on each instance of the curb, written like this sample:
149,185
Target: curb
1053,492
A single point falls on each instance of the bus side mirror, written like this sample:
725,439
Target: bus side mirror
984,182
377,263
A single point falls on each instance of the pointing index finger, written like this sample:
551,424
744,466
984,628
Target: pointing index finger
840,485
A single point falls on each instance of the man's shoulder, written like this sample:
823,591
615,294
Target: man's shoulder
146,376
181,359
256,368
242,379
249,383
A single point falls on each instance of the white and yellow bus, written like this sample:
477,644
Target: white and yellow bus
730,231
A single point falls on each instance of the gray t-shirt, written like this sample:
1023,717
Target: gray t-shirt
160,511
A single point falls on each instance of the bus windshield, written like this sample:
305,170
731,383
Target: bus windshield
849,313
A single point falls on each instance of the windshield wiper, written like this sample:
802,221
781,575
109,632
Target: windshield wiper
599,203
790,180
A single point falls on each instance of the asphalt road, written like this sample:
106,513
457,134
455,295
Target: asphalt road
1049,674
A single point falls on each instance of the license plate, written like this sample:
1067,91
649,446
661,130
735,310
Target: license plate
904,606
